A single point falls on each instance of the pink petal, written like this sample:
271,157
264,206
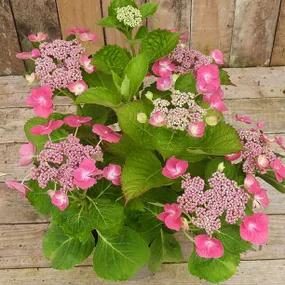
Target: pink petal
157,119
233,156
262,162
218,56
26,153
59,199
76,30
39,37
87,36
47,128
171,216
208,79
251,184
208,247
163,83
262,198
19,187
112,172
279,169
77,87
243,118
76,121
106,133
174,168
197,129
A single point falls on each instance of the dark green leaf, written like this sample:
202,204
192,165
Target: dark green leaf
270,179
141,33
186,83
99,114
120,256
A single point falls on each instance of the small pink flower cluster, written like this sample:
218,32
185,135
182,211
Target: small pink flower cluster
182,113
224,196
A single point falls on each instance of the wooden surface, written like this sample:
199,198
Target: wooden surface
249,32
259,93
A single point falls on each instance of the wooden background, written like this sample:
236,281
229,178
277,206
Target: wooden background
249,32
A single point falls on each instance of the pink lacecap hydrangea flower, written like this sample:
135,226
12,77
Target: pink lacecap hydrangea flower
163,67
171,216
41,100
164,83
85,62
208,79
19,187
59,199
26,152
279,169
251,184
28,54
243,118
77,30
84,174
157,119
105,133
174,168
208,247
262,198
48,128
112,172
39,37
77,87
255,229
196,129
87,36
218,56
75,121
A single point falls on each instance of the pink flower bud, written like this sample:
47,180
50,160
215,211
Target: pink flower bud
262,162
196,129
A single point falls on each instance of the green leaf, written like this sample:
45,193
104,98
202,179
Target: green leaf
164,248
213,270
141,172
39,198
100,96
159,43
99,114
100,79
109,22
63,250
230,237
120,256
186,83
135,73
225,78
270,179
111,58
148,9
112,9
141,33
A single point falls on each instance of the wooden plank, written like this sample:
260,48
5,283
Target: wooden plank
250,272
76,13
212,25
253,32
278,53
46,19
9,44
172,14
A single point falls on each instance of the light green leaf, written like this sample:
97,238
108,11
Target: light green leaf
120,256
186,83
164,248
100,96
111,58
63,250
159,43
225,78
148,9
109,22
213,270
135,73
141,172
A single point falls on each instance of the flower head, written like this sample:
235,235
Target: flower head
19,187
130,16
48,128
164,83
41,100
75,121
59,199
174,168
105,133
39,37
26,152
255,229
171,216
163,67
77,87
208,247
262,198
251,184
85,62
218,56
112,172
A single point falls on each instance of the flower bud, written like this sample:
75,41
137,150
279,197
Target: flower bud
149,95
141,118
221,167
212,120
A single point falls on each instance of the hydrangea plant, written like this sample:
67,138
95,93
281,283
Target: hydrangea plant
144,153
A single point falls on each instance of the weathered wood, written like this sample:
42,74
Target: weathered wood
212,25
172,14
250,272
83,14
253,32
9,44
45,19
278,53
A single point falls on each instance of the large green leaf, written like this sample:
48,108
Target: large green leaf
214,270
148,9
270,179
135,73
111,58
186,83
164,248
120,256
159,43
63,250
98,113
100,96
100,79
141,172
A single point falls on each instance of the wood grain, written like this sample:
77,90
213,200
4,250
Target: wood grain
278,53
253,32
250,272
82,14
9,44
45,19
212,25
172,14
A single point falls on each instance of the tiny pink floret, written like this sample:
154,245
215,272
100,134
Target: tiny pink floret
171,216
26,152
208,247
174,168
